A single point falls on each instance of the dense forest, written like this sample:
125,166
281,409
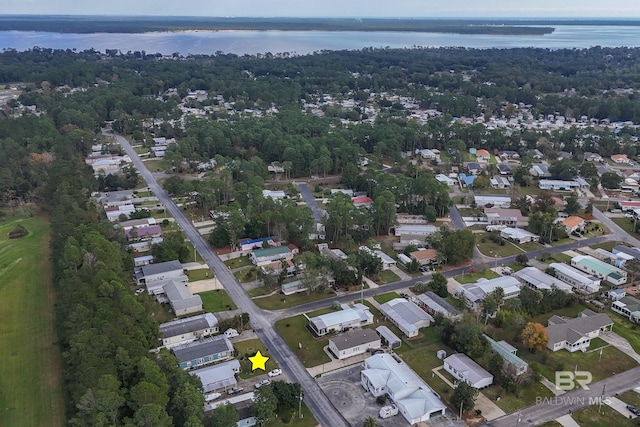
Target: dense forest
105,332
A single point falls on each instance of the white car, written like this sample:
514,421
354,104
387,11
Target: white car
263,382
275,372
212,396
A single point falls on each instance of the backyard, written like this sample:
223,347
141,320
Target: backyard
381,299
387,276
201,274
525,395
626,329
238,262
29,396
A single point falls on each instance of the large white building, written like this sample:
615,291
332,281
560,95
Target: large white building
416,401
576,278
221,376
518,235
156,276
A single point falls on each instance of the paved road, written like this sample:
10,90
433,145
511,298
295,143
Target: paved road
325,413
310,201
618,232
572,401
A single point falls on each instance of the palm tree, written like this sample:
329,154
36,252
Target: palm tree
369,422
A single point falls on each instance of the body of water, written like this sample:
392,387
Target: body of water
304,42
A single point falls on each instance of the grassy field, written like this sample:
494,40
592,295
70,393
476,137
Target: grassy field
381,299
292,419
248,349
473,277
293,331
489,248
387,276
246,275
278,301
590,417
625,223
613,361
238,262
571,311
202,274
218,300
30,395
525,395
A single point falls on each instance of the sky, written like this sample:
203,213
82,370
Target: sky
332,8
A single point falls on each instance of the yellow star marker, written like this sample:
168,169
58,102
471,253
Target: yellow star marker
258,361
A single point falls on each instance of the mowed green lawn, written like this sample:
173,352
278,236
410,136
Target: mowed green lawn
30,364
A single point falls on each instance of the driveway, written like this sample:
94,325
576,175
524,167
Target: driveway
311,202
620,343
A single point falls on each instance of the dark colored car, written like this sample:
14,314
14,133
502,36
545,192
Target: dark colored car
633,410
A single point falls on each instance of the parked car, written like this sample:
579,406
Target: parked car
263,382
235,390
633,410
275,372
388,411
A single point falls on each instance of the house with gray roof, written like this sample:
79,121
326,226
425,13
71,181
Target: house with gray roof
386,374
628,307
182,331
513,365
576,334
182,301
406,315
465,369
434,304
341,320
221,376
203,352
155,276
354,342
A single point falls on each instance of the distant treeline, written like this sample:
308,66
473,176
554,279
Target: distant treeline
94,24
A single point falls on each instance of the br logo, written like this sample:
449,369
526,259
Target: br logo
569,380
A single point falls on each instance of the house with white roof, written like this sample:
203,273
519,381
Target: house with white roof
576,278
416,401
434,304
493,200
474,294
518,235
446,180
576,334
342,320
406,315
422,230
221,376
507,217
274,194
465,369
540,281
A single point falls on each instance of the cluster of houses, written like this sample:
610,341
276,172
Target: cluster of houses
585,275
105,164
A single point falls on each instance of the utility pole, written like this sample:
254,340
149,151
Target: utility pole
300,404
362,286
